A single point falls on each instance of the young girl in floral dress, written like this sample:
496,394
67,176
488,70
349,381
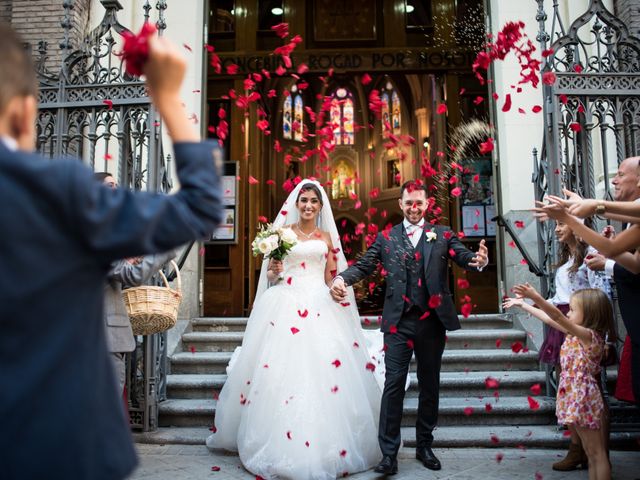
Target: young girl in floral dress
579,403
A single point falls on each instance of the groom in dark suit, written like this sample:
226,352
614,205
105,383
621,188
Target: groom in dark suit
418,309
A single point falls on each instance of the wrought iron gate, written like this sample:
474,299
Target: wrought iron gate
591,119
91,109
591,112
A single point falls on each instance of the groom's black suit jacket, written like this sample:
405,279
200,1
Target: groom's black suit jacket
392,251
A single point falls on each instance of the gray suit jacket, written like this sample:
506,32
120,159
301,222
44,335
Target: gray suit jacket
125,274
389,249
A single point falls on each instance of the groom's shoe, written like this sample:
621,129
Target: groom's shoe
387,466
428,458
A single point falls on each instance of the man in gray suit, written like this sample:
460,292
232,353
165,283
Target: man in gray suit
126,273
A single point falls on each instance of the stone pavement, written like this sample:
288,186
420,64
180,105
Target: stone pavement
194,462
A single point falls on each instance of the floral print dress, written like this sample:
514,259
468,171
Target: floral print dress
579,399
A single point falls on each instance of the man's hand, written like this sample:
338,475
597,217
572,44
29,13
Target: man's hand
338,290
595,262
482,256
584,208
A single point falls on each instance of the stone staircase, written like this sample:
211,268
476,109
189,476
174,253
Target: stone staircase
470,414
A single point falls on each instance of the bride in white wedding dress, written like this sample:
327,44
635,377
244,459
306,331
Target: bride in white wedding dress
301,400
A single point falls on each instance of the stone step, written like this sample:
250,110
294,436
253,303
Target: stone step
523,436
452,360
504,411
452,384
238,324
460,339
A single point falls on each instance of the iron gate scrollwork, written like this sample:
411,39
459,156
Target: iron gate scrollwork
592,110
91,109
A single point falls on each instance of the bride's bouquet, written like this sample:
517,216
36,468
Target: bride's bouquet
274,243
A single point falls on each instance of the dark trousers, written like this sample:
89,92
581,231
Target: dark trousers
428,337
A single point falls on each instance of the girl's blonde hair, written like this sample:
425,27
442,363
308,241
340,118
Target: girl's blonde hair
597,312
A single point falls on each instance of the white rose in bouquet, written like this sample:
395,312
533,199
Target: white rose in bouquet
288,235
274,241
265,246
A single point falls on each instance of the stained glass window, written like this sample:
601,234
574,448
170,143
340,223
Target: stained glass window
342,117
395,116
298,124
286,118
391,110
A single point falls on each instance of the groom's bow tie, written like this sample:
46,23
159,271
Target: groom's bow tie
413,232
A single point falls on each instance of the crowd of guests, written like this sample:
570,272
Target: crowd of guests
582,334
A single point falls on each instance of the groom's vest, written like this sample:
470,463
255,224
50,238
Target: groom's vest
416,285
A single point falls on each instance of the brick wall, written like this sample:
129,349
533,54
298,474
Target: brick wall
5,10
39,20
629,12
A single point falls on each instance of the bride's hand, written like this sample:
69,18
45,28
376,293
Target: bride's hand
338,290
276,266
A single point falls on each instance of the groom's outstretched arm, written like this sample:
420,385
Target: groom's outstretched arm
464,257
365,265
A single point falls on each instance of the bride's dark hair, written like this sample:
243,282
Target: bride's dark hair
310,187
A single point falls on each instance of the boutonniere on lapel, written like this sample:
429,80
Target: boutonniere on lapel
431,235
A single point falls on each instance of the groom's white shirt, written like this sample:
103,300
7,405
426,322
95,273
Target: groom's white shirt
414,232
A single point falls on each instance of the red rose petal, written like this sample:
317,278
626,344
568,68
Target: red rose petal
135,50
468,411
294,330
536,389
533,403
536,109
491,382
336,363
507,103
435,301
549,78
215,468
303,314
442,109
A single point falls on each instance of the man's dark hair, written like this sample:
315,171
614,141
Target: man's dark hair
100,176
412,185
17,75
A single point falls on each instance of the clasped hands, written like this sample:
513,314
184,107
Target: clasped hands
338,290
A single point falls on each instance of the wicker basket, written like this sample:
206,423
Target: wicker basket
153,309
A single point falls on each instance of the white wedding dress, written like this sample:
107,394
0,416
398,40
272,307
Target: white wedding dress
299,401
